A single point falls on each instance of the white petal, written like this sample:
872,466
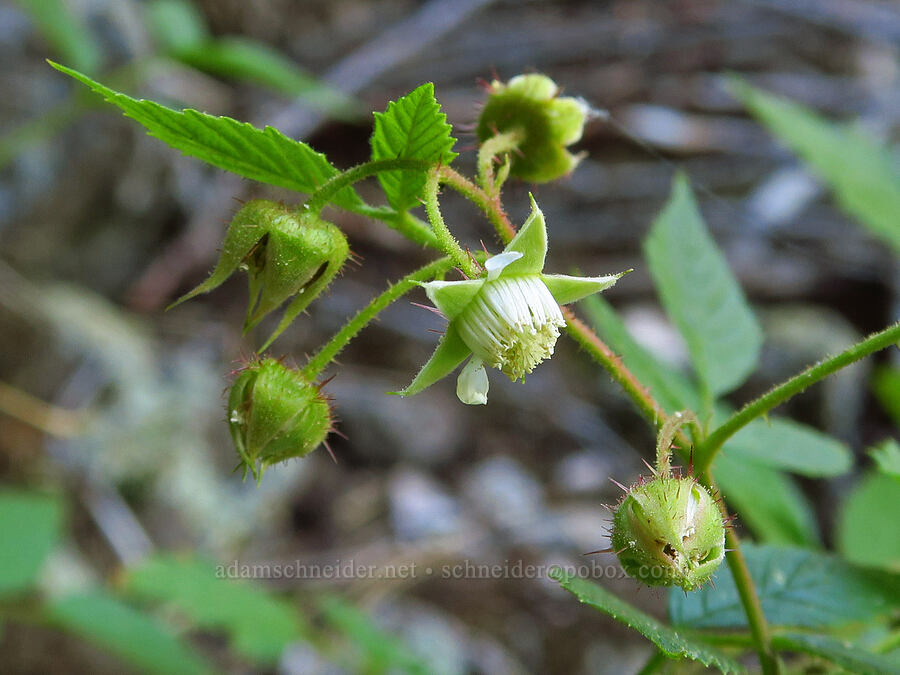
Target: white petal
495,264
472,384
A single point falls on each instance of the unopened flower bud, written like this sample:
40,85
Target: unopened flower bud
275,414
285,253
548,123
669,532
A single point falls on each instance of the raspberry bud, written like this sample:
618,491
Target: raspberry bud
548,123
275,414
668,532
285,253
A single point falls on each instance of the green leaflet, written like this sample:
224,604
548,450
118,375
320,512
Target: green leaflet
264,155
862,174
30,524
674,646
887,458
701,295
377,651
778,442
65,31
131,635
781,443
259,625
251,61
867,531
766,500
839,652
412,127
797,587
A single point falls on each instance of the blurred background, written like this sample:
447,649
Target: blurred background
116,405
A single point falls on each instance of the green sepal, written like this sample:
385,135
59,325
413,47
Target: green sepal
246,230
452,297
531,242
275,414
450,352
529,105
566,289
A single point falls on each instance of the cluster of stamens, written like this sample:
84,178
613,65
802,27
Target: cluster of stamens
512,324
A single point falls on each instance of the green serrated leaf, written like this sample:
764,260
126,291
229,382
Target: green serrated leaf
844,654
379,651
260,625
887,458
767,501
867,531
672,644
30,524
862,174
135,637
796,587
781,443
264,155
65,31
412,127
701,295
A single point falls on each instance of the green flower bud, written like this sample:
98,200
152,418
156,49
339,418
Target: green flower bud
275,414
286,253
669,532
529,104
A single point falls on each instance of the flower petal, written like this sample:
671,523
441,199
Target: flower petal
531,242
566,289
450,352
496,264
451,297
472,384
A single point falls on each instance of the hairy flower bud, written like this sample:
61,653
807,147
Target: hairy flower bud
286,253
530,105
669,532
275,414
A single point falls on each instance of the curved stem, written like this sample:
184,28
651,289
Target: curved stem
737,564
782,392
651,409
318,199
490,206
493,147
332,348
446,240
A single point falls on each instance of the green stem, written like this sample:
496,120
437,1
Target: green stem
490,206
759,627
447,241
327,190
493,147
705,454
651,410
332,348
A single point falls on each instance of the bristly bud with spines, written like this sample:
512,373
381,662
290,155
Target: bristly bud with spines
285,252
668,530
531,105
274,414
